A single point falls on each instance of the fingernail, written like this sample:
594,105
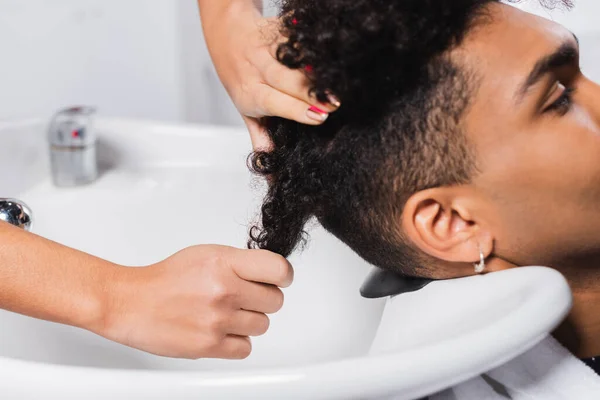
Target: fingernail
317,114
333,100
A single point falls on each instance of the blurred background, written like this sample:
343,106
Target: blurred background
147,58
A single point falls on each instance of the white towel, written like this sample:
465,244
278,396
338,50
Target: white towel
546,372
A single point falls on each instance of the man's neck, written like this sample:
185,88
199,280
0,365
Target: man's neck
580,331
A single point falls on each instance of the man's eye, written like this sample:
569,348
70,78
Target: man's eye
563,104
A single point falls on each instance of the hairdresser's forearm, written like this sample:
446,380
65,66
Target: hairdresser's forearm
211,8
46,280
213,12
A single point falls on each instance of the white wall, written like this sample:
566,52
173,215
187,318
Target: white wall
120,55
144,58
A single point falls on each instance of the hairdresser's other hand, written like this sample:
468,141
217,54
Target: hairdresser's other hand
242,45
204,301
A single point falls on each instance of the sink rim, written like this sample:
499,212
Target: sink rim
368,373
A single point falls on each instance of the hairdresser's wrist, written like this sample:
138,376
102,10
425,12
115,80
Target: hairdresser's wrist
104,298
214,13
223,37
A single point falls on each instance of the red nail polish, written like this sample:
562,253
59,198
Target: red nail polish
308,68
294,21
317,110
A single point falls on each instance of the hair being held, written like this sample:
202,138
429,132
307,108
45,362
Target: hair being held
397,132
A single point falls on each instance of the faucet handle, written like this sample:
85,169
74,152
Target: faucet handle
15,212
72,127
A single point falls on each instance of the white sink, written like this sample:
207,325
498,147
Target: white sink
166,187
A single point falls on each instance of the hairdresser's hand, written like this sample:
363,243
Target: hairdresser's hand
242,45
203,301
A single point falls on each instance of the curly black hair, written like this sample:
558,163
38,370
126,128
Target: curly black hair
398,130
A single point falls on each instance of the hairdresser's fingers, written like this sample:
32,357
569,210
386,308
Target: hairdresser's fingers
275,103
262,266
247,323
231,347
258,134
294,83
259,297
291,82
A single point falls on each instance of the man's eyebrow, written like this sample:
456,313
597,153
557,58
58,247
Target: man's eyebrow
566,54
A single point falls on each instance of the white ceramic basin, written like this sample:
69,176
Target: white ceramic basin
163,188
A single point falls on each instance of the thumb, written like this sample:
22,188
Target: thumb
258,134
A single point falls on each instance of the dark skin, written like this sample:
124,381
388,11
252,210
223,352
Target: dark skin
534,127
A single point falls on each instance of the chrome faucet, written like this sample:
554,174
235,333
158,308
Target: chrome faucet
15,212
72,142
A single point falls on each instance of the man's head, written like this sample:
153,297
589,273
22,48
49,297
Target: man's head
464,125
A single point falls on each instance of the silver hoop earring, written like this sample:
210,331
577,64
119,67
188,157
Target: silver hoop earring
480,266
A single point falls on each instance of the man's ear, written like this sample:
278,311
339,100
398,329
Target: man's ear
440,222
